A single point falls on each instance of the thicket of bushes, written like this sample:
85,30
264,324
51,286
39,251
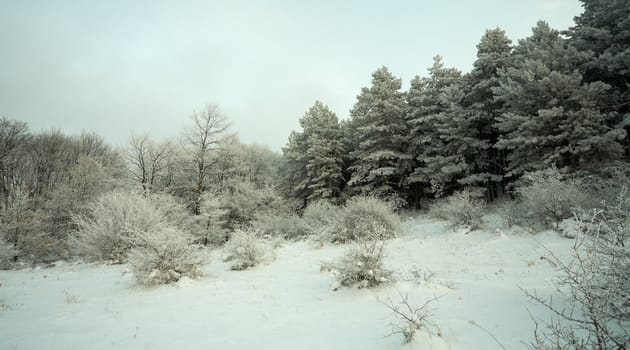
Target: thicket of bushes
595,284
104,234
7,253
546,198
151,232
463,208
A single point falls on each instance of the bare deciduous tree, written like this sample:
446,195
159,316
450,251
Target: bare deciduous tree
149,159
205,136
14,136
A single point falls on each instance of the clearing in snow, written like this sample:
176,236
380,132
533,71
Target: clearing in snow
290,303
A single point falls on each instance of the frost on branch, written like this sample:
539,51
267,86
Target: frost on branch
362,266
246,249
289,227
365,218
463,208
164,255
547,198
409,319
104,233
595,283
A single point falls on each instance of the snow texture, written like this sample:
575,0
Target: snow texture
289,303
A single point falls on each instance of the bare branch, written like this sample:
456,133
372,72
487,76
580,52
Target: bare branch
411,319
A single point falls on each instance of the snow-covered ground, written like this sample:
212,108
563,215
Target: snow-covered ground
289,303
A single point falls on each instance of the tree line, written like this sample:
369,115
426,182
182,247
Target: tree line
48,180
554,99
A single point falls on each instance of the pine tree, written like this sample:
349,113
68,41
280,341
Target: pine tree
551,117
379,162
452,165
427,106
314,156
493,54
295,181
603,30
324,164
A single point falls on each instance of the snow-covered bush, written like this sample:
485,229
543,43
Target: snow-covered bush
365,217
86,180
43,247
362,266
546,198
7,252
172,211
463,208
245,201
25,229
514,212
164,255
570,227
321,213
289,227
104,234
215,218
321,218
595,285
604,181
246,249
240,202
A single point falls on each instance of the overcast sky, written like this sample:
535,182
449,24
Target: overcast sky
123,67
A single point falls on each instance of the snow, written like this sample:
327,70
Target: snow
288,303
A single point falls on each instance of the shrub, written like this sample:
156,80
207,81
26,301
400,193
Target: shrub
547,198
164,255
362,266
213,221
604,181
595,284
365,217
204,228
321,213
86,180
510,211
321,219
104,234
240,203
289,227
43,247
172,211
245,249
7,252
25,229
463,208
244,201
409,319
